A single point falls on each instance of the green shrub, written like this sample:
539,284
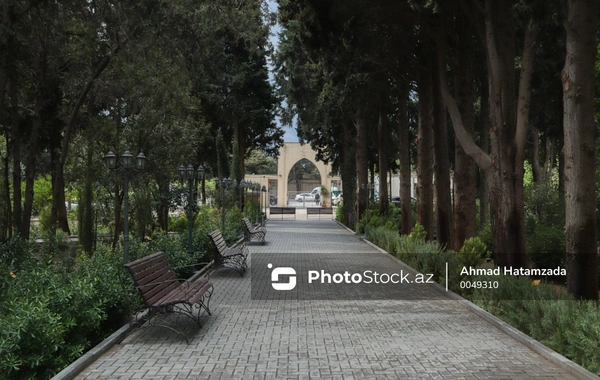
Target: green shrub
339,212
178,223
471,253
486,237
552,317
49,315
572,328
546,246
418,233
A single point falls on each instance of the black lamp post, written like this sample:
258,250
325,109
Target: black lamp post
126,165
189,175
257,188
264,190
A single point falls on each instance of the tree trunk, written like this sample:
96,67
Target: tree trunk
443,202
86,208
361,161
484,193
425,147
384,202
465,169
163,205
404,149
348,177
32,150
59,212
580,160
6,224
509,123
16,155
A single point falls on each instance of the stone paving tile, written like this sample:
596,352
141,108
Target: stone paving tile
328,338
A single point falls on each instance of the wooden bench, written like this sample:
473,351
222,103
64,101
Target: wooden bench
233,257
282,211
165,296
319,211
253,232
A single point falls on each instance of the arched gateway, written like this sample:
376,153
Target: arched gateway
289,155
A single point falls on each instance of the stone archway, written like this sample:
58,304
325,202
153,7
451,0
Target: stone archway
289,155
303,176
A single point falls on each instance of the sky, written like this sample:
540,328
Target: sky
290,132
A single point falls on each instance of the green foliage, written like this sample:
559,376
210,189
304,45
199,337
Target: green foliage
424,256
486,237
391,221
339,212
546,246
50,314
571,328
418,233
54,304
259,163
222,157
251,209
472,252
42,194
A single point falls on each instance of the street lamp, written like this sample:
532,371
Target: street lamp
264,190
189,175
257,188
126,160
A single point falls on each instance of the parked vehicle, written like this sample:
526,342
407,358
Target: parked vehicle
305,197
396,200
337,199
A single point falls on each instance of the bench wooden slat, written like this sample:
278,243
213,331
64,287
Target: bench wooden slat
253,232
229,257
157,283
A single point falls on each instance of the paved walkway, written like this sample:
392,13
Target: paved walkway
322,332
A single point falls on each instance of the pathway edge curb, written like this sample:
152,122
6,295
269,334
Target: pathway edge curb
89,357
548,353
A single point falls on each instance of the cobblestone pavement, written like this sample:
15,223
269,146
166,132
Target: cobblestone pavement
325,335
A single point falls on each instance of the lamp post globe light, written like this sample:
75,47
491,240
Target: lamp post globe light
189,174
125,166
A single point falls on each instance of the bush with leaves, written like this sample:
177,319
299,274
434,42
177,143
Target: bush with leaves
546,245
50,314
547,314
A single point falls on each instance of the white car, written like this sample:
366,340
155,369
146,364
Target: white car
337,199
306,197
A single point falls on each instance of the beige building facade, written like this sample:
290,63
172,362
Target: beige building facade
290,154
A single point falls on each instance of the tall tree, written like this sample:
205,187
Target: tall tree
464,167
425,142
504,165
581,24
